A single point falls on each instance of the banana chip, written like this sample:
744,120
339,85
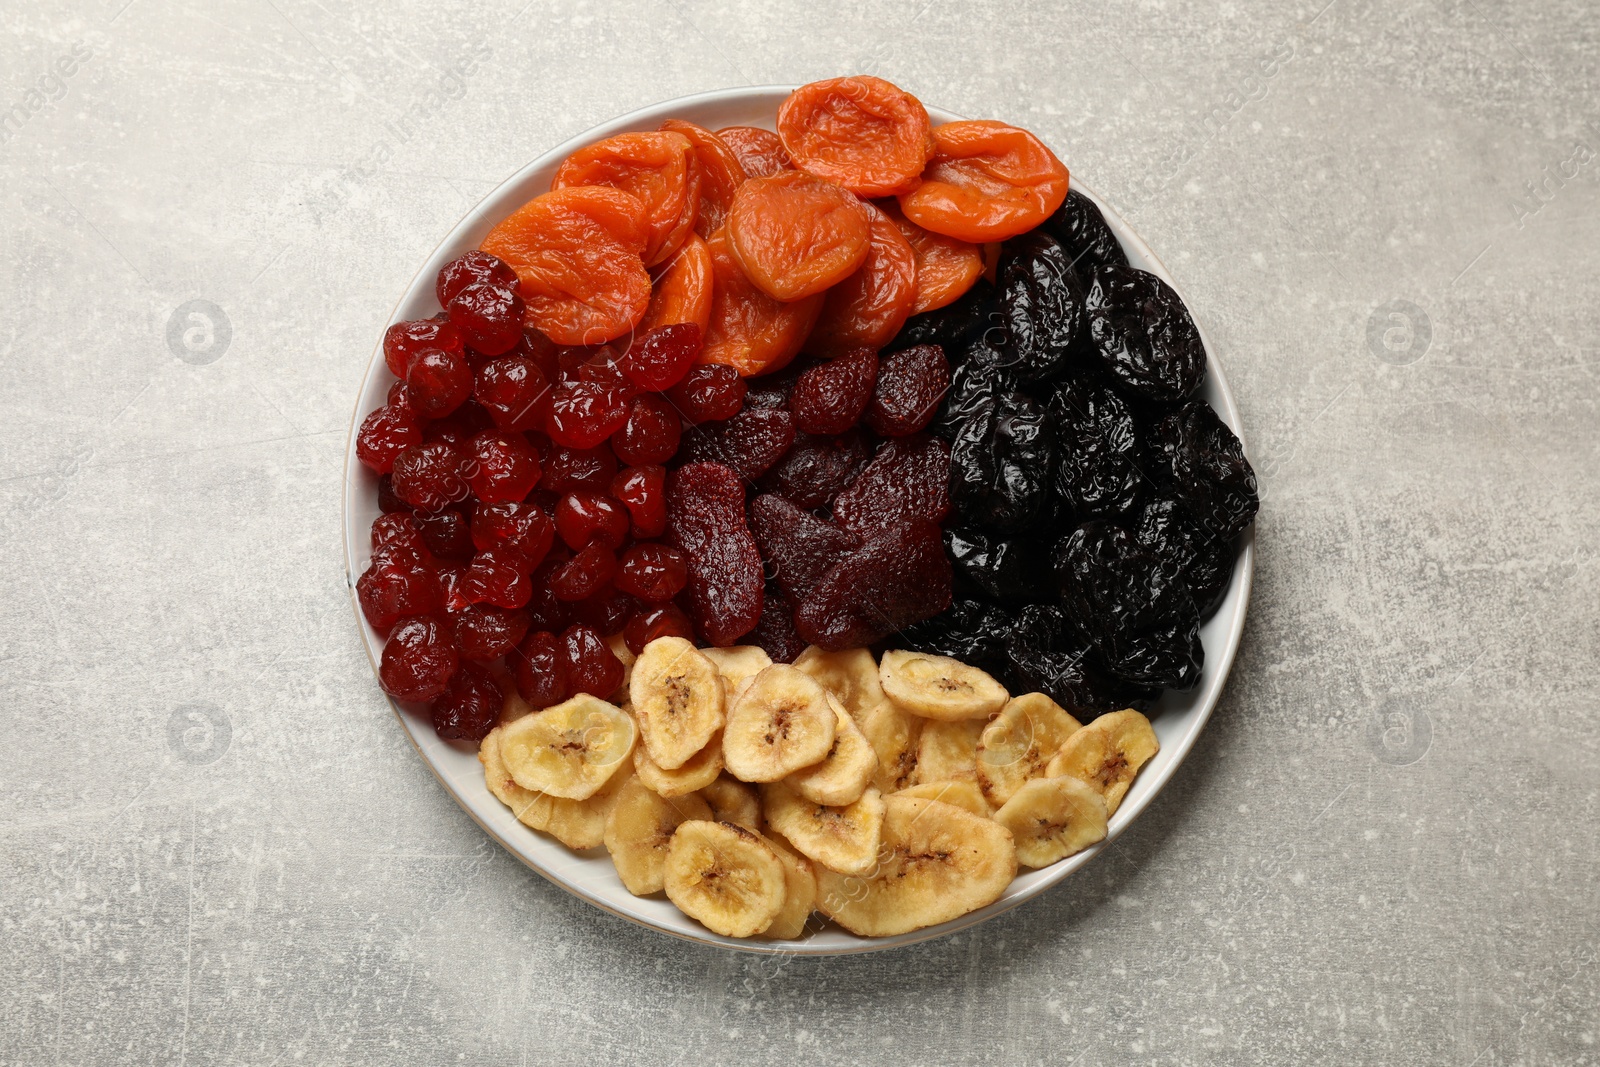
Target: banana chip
780,722
1052,818
1018,743
733,801
847,770
737,664
963,794
570,750
578,824
1107,754
844,839
725,876
677,697
895,738
851,676
700,771
948,751
938,687
800,892
638,830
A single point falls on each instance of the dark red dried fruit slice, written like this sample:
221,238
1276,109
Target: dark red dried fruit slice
899,577
799,547
418,660
816,469
705,518
830,398
911,384
907,481
750,442
775,633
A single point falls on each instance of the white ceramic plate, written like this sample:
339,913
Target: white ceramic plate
591,876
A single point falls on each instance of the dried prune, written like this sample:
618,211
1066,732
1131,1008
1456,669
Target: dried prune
996,568
1142,335
971,631
1041,305
1098,472
1046,655
816,469
1083,232
830,397
1144,625
750,442
1204,464
907,481
974,387
911,384
705,518
1201,561
954,324
1001,464
775,633
898,577
798,547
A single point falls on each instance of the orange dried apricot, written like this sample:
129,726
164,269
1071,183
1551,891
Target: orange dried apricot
987,181
577,256
658,168
683,289
867,134
760,151
946,267
749,330
796,234
721,174
868,308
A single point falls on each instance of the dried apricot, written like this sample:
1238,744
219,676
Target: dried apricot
658,168
986,181
761,152
721,174
749,331
868,308
796,234
683,289
867,134
946,267
577,257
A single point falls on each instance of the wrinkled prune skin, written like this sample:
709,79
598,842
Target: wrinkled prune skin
973,387
816,469
1083,232
1202,464
1144,625
1098,469
798,547
1041,305
1202,562
1141,334
957,322
992,567
1046,655
898,577
1002,462
970,630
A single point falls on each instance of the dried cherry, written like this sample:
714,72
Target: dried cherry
667,620
566,469
514,391
591,665
584,517
418,660
470,705
489,317
404,341
584,414
539,669
710,392
469,268
385,434
652,572
651,432
643,491
500,465
585,574
446,534
399,581
497,577
484,632
428,476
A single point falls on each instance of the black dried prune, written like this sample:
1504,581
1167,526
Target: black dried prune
1001,464
970,630
952,325
973,389
1143,624
1202,562
1083,232
1142,335
1204,467
1046,655
1098,472
1041,305
995,568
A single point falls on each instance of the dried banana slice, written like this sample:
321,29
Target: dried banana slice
700,771
780,723
677,697
948,751
733,801
737,664
963,794
938,863
938,687
725,876
846,771
845,839
1018,743
1107,754
569,750
850,675
638,829
578,824
800,891
1052,818
895,738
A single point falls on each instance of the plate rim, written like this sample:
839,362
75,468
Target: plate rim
1238,594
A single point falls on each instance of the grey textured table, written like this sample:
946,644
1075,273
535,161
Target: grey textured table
218,847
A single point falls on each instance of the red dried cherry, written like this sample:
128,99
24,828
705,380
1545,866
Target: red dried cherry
418,660
513,527
458,427
397,528
484,632
470,705
668,620
501,466
388,502
603,369
566,469
447,534
830,398
474,266
607,611
385,434
585,574
709,392
540,670
545,612
652,572
658,360
584,516
584,414
428,476
651,433
498,578
437,382
450,575
404,341
591,665
399,581
514,391
489,316
643,491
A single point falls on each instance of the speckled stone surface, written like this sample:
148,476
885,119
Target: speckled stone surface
217,846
